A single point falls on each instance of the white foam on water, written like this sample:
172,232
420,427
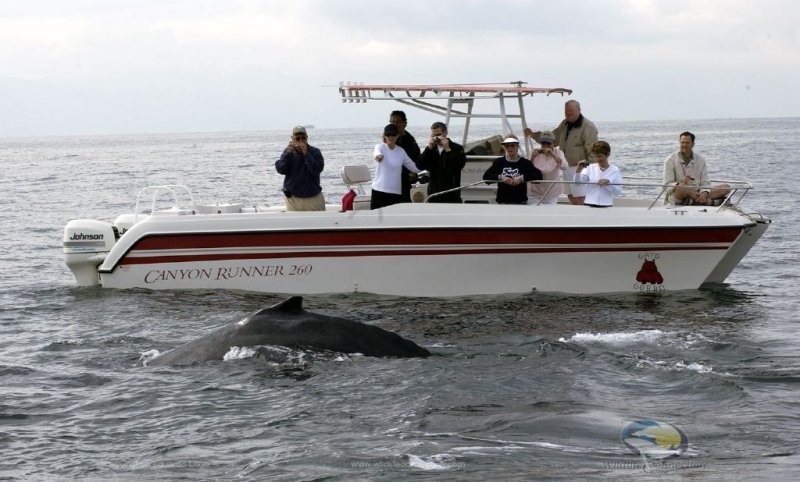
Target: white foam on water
638,337
239,353
148,356
679,366
514,445
642,337
698,367
434,462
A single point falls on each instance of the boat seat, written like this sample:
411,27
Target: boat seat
490,146
355,177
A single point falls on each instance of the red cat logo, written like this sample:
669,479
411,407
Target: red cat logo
649,273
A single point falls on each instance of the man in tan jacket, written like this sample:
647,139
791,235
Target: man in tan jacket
575,136
687,171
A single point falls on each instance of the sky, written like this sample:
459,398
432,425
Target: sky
84,67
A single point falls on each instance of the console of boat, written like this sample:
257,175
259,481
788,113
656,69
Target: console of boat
418,249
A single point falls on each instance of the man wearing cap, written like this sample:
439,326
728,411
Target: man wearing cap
391,158
512,172
301,164
444,160
575,135
688,171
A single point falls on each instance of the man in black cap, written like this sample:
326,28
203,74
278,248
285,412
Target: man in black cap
301,164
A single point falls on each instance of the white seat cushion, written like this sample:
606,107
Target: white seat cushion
355,174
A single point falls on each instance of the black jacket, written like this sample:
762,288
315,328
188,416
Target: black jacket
522,167
445,171
409,144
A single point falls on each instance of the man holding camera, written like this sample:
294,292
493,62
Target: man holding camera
444,160
301,164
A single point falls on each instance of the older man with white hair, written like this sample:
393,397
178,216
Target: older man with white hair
575,135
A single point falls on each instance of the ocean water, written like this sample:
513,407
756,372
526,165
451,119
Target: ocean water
535,386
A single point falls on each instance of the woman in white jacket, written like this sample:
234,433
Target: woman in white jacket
605,178
387,186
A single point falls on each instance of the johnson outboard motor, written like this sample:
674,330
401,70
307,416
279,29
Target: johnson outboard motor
86,244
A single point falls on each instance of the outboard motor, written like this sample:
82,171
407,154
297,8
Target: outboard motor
86,244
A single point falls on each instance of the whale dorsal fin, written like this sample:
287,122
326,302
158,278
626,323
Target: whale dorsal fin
289,304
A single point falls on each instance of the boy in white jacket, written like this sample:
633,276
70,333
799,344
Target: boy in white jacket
604,178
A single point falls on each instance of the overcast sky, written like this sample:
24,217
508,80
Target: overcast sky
142,66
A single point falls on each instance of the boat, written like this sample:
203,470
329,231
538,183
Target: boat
640,245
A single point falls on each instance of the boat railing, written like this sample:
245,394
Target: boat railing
167,193
737,191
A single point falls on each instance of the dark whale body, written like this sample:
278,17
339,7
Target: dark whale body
288,324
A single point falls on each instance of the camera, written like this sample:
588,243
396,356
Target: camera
437,140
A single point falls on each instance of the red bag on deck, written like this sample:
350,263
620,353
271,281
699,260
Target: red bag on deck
347,200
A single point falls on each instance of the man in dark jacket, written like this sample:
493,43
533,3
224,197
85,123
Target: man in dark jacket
301,164
409,144
444,160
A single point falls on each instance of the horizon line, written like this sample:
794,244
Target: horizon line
229,131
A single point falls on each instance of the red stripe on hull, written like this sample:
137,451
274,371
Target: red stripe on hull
434,237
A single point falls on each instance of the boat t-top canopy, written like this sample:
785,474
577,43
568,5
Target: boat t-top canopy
361,92
452,100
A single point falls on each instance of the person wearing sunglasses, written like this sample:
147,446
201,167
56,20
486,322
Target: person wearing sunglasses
301,164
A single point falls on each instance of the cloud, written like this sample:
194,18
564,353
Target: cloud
176,65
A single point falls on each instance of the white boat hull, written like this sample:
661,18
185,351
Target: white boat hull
427,275
434,250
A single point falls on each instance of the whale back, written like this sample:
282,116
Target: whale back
288,324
